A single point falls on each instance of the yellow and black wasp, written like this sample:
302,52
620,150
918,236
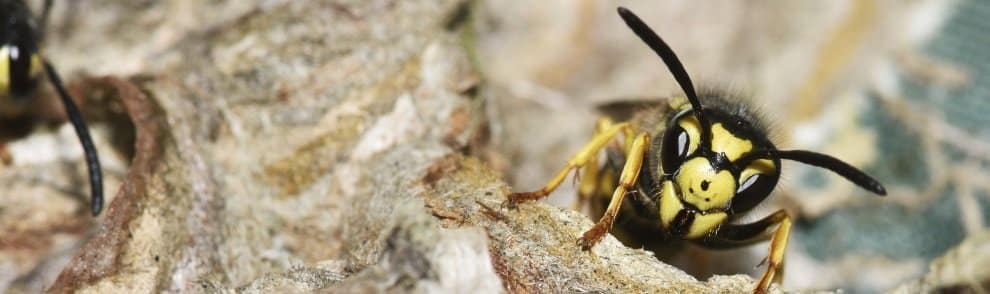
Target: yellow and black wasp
21,65
690,168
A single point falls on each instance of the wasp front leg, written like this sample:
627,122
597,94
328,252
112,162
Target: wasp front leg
630,172
732,236
775,259
587,154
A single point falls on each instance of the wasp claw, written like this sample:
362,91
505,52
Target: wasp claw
592,237
515,198
509,203
585,244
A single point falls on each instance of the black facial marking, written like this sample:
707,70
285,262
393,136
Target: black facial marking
682,223
704,185
720,161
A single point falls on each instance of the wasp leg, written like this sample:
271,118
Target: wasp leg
630,171
775,259
731,236
589,151
628,144
589,185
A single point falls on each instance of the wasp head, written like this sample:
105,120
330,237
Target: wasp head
715,158
20,63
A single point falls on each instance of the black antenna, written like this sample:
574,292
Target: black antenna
669,58
92,158
838,166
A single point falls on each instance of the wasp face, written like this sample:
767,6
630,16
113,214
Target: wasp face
709,172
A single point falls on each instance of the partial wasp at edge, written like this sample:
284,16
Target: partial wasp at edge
687,170
22,64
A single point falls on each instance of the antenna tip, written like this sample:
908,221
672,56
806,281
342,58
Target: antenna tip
96,207
624,12
878,189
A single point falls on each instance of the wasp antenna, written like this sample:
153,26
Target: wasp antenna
666,54
92,158
838,166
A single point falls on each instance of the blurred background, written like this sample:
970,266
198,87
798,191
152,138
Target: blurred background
897,88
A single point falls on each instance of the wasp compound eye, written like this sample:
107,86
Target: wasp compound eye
674,148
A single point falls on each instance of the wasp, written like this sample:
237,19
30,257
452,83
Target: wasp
688,170
22,65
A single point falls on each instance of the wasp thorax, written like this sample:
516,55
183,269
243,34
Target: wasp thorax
703,186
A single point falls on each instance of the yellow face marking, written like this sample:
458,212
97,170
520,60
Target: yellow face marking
704,223
692,127
4,69
725,142
761,166
669,203
703,187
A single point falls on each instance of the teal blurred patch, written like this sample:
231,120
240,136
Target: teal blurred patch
963,43
886,229
814,178
901,159
952,153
